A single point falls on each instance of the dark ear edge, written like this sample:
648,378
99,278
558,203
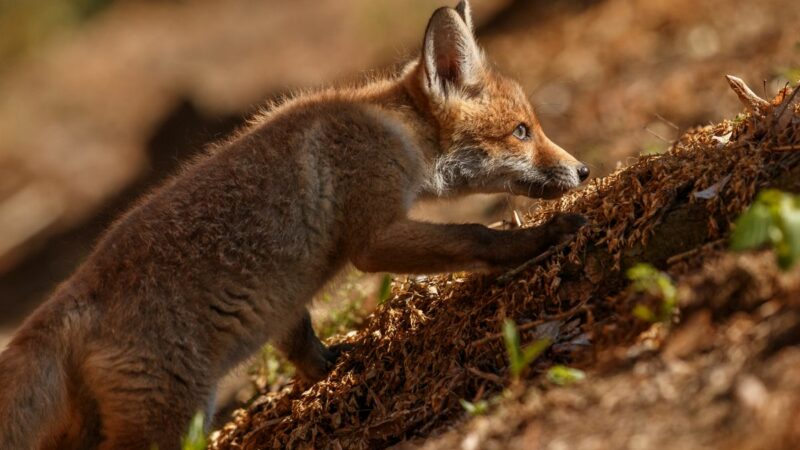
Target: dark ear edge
463,9
450,55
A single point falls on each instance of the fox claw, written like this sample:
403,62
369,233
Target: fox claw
563,226
567,223
334,352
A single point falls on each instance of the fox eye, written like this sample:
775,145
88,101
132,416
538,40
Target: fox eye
521,132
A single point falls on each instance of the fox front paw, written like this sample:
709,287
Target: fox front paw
529,243
563,226
335,353
317,367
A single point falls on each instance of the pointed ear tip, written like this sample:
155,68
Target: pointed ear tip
464,11
444,10
442,16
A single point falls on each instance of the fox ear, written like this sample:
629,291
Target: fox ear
450,55
463,10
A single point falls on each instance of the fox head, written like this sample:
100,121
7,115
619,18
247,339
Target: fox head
489,139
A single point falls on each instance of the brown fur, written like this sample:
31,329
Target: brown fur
227,254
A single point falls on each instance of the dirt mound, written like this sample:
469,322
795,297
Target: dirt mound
437,340
727,377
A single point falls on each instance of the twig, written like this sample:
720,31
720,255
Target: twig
785,148
506,277
749,99
671,124
486,376
527,325
657,135
787,103
681,256
517,219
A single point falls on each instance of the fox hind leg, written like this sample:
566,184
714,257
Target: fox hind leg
128,424
140,406
312,359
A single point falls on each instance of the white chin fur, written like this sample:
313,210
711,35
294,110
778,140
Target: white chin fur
467,171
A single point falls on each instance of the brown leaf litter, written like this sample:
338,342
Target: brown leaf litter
436,341
726,377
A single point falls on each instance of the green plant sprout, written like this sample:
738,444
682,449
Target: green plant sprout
520,358
478,408
773,219
646,278
564,376
195,437
385,289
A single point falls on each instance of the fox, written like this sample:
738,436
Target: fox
228,253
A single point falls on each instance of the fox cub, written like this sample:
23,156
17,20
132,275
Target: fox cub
227,255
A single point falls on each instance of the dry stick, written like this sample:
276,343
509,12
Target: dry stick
671,124
787,103
658,135
784,148
486,376
749,99
506,277
681,256
528,325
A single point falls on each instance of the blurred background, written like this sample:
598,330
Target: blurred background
102,99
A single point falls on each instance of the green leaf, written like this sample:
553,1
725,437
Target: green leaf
641,271
534,350
564,376
511,339
774,218
790,227
643,312
646,278
518,358
385,289
752,228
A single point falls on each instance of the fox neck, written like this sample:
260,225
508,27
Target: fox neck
404,101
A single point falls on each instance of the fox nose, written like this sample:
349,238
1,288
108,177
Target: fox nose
583,172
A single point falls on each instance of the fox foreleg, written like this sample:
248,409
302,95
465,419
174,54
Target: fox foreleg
409,246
